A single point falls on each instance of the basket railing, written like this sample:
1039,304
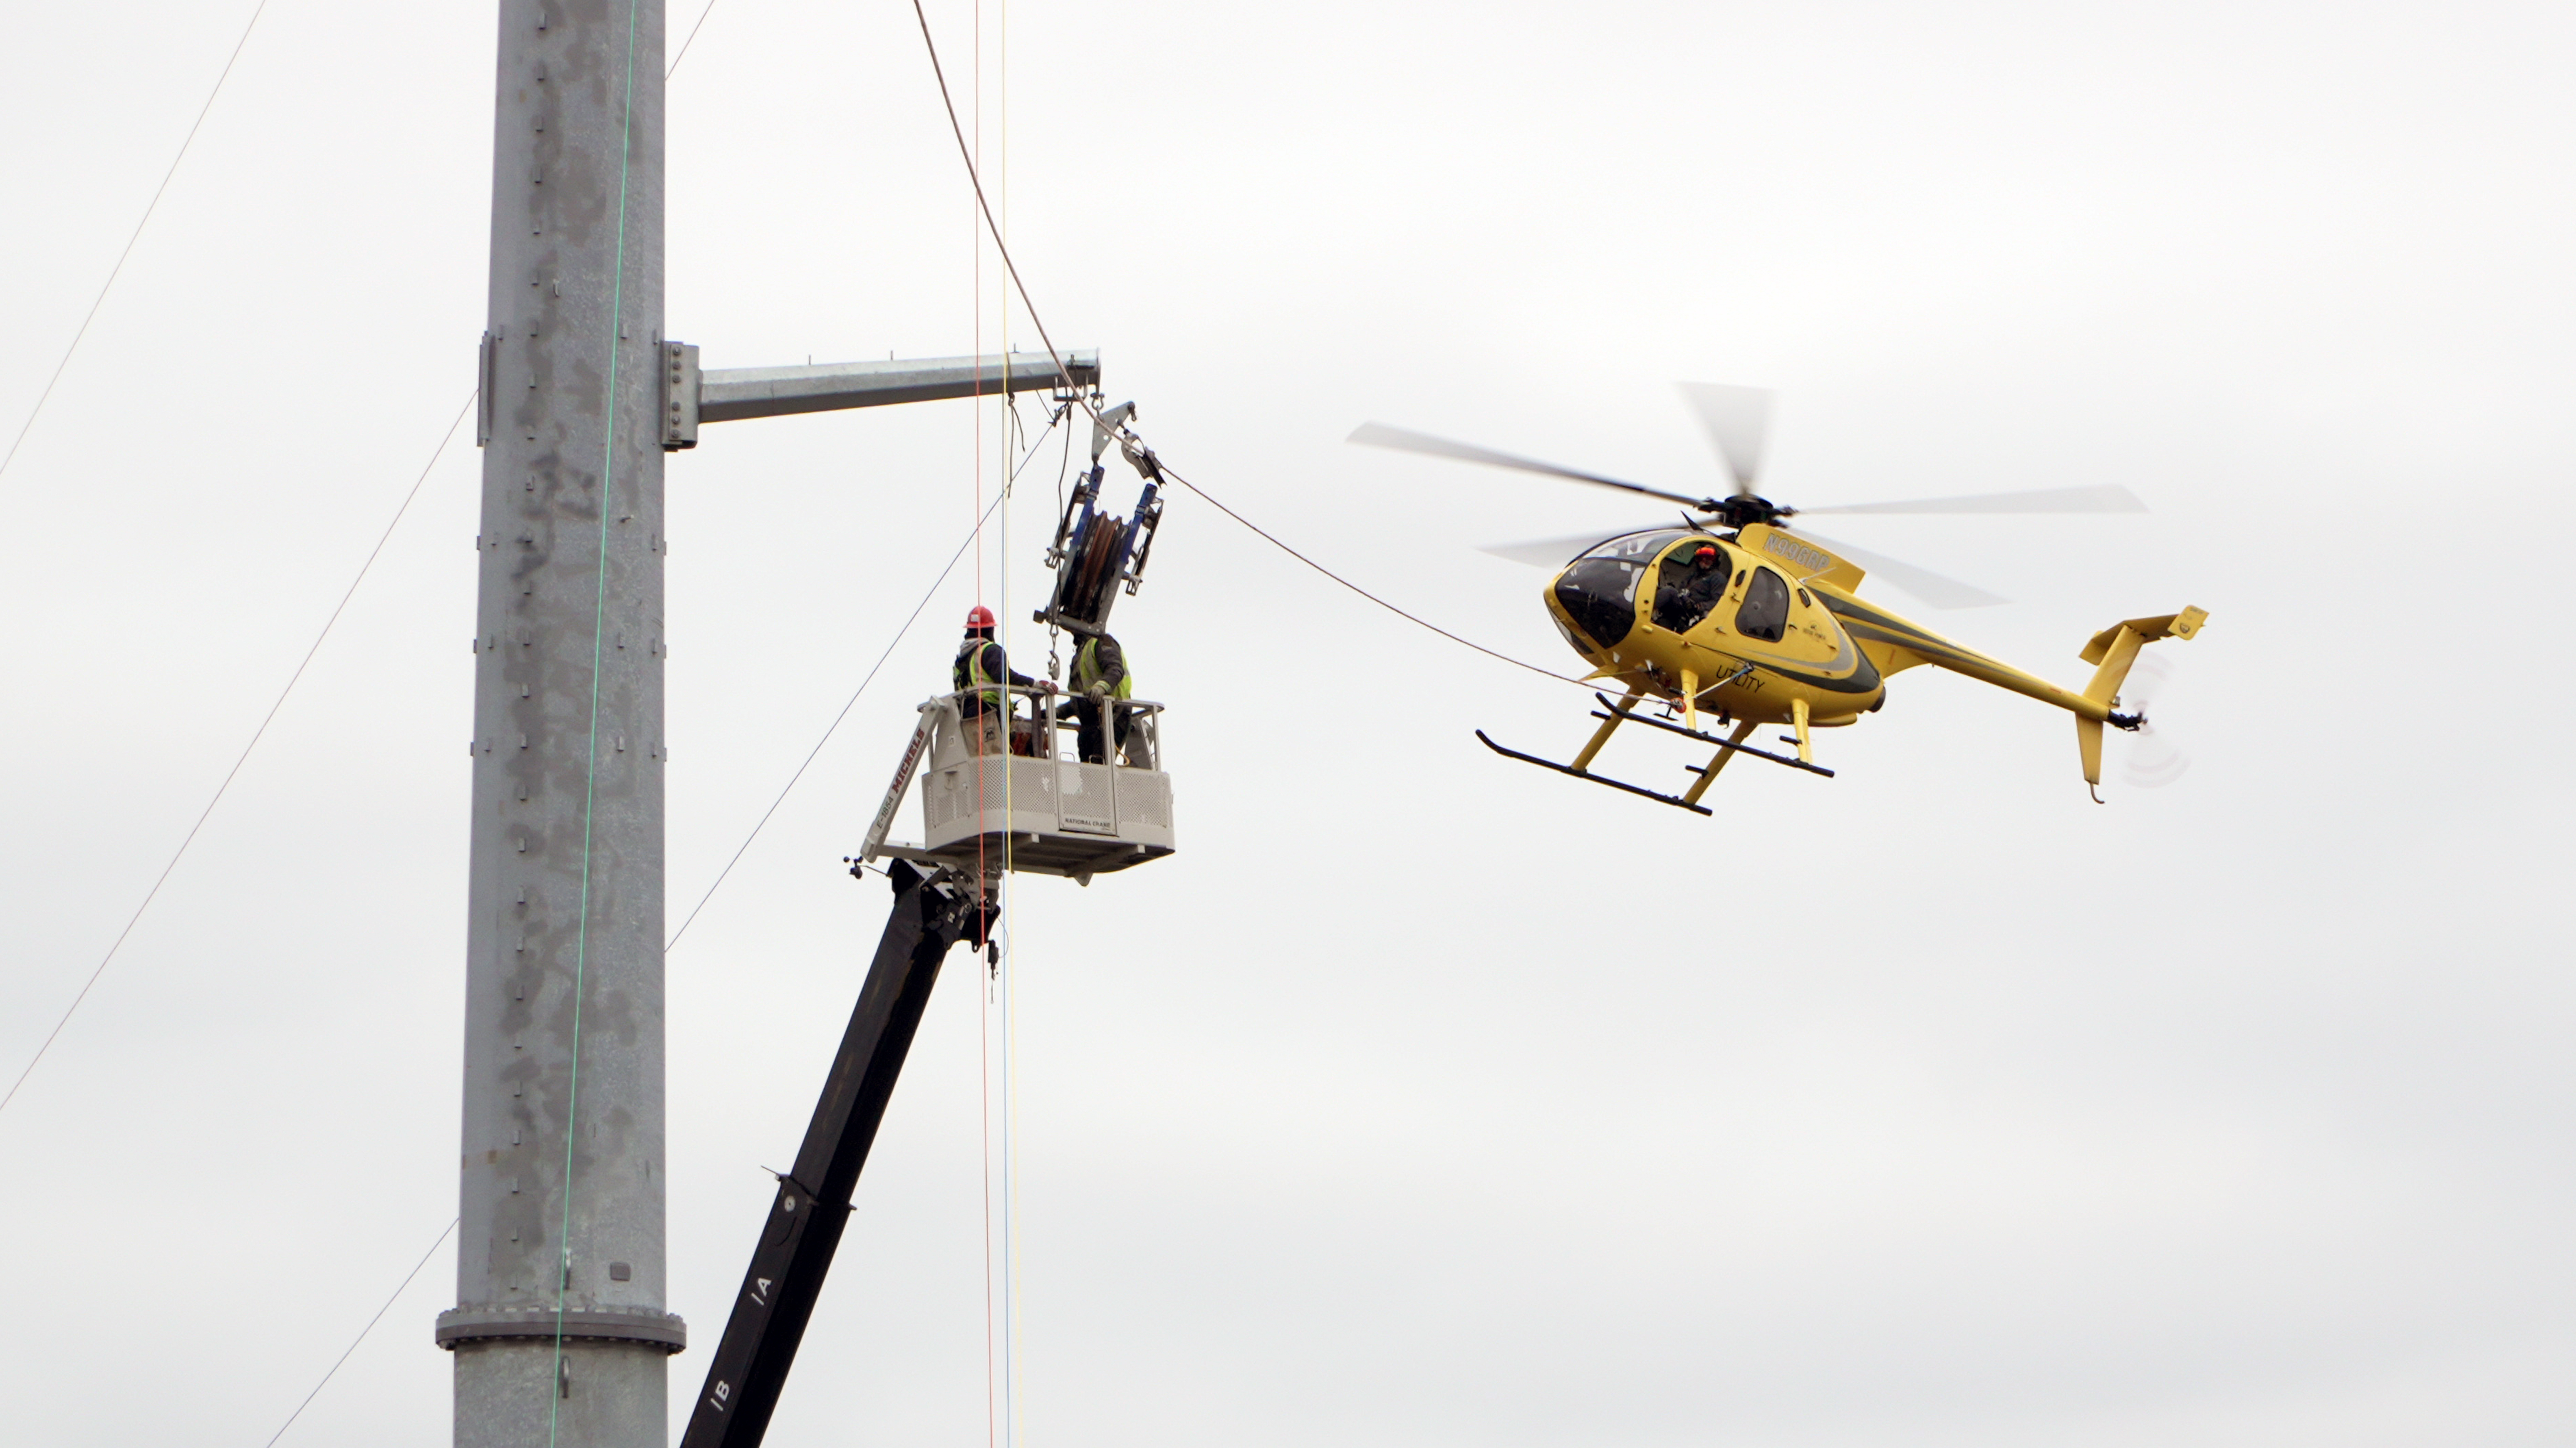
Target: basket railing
1042,721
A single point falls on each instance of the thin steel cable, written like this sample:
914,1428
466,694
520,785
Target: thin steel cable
434,456
1002,982
336,611
692,40
244,757
362,1334
1014,1347
828,730
983,872
810,755
590,769
148,208
1066,377
1266,536
967,153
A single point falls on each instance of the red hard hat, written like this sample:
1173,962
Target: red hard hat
979,617
1707,550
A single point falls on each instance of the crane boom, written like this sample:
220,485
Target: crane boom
931,912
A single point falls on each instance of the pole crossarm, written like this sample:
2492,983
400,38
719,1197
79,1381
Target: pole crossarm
692,396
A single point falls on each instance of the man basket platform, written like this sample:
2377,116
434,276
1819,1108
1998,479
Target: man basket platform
1038,809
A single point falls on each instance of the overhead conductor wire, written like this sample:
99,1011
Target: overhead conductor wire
372,554
829,729
969,152
1007,970
692,40
244,757
337,1363
400,511
984,702
145,220
1064,375
590,767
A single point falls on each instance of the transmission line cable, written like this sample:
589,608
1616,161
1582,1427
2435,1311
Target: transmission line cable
1268,537
966,153
362,1335
244,757
148,208
692,40
852,702
336,611
1006,973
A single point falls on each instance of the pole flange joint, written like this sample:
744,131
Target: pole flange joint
664,1330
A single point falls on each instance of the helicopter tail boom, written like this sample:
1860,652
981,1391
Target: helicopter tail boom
1896,642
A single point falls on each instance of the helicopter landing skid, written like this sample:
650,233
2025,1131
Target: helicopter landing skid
1729,745
1567,769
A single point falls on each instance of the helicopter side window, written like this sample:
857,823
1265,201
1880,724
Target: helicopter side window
1684,593
1765,614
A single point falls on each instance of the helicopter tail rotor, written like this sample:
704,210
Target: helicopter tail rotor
2115,650
2152,759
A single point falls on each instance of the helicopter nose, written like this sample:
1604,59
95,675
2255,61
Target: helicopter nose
1600,596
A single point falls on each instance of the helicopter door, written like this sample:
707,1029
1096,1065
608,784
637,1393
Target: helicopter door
1765,614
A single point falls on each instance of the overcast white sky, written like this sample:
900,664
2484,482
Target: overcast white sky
1422,1098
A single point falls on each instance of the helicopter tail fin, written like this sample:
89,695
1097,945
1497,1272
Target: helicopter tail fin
2114,649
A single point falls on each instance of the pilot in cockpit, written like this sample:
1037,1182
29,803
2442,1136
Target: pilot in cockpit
1692,584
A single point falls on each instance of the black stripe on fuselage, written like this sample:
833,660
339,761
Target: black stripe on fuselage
1864,676
1869,623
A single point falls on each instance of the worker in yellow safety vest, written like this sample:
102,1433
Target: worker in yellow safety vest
981,670
1100,676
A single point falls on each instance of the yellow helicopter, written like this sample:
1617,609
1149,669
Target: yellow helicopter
1733,615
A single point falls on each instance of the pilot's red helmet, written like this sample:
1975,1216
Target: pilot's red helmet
1706,557
979,619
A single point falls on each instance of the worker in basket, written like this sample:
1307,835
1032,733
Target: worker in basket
981,671
1100,676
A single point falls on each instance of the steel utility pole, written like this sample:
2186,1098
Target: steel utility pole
560,1331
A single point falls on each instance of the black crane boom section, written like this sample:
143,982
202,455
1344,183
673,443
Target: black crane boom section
931,913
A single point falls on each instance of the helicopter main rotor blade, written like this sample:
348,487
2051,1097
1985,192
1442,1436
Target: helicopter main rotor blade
1738,420
1923,583
2109,498
1378,434
1557,552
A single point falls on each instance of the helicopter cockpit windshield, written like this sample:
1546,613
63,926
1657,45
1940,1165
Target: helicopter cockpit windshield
1598,591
